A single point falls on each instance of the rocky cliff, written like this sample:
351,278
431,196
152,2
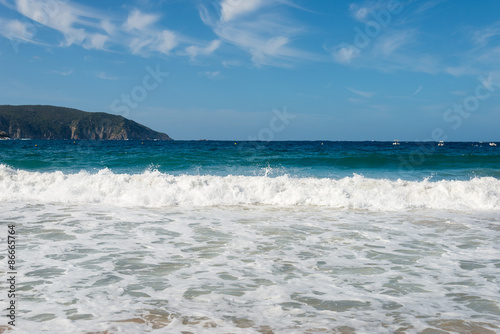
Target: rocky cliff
49,122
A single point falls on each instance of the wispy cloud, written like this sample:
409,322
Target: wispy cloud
394,41
264,34
211,75
144,37
361,93
16,30
425,6
233,8
460,70
399,46
96,41
482,37
419,89
194,51
361,12
104,76
140,21
355,100
344,53
60,16
392,49
231,63
392,46
90,28
63,73
167,40
483,54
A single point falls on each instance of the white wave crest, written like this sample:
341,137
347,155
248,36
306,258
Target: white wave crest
155,189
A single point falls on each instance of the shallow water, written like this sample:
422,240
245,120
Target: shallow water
254,269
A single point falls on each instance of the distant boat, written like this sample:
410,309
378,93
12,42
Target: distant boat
493,144
441,143
396,142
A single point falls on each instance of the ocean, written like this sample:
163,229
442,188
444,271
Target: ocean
250,237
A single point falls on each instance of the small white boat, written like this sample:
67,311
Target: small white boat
396,142
441,143
493,144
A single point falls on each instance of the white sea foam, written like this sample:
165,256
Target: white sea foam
155,189
96,269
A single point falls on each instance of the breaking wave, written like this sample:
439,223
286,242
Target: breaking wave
156,189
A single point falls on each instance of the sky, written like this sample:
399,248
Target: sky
262,69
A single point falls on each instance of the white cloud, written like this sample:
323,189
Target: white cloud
163,42
345,53
361,93
77,23
233,8
212,75
137,44
15,29
193,51
92,29
359,12
273,47
96,41
167,40
63,73
144,37
355,100
392,50
108,27
481,37
385,47
489,56
392,42
60,16
104,76
140,21
459,70
265,35
428,5
417,91
231,63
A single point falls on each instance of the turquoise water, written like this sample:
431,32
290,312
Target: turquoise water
409,160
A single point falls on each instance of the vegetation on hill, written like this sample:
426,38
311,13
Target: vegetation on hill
49,122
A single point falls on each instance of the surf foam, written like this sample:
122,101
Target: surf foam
155,189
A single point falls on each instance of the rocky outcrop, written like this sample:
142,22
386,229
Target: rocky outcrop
49,122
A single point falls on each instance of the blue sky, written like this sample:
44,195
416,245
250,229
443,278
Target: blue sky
262,69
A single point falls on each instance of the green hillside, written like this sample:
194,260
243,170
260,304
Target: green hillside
49,122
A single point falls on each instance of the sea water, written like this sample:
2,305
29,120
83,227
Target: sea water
251,237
